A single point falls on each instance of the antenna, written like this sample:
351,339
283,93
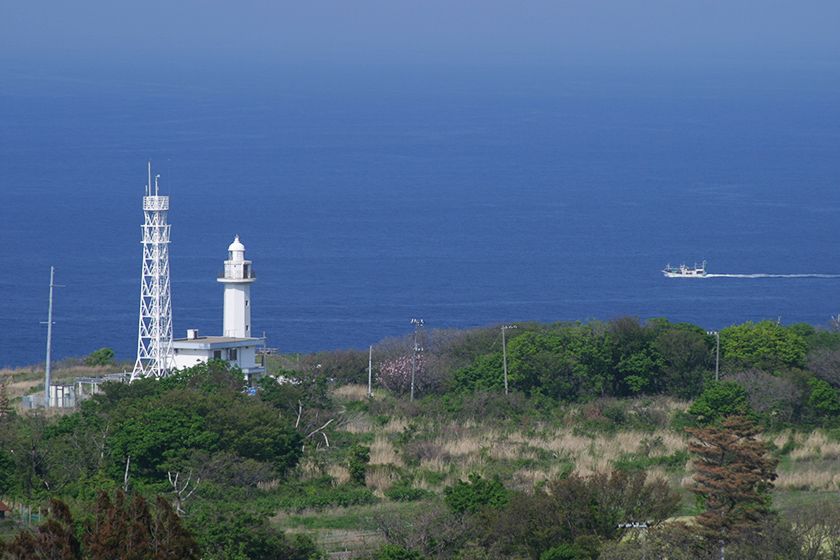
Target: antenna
154,337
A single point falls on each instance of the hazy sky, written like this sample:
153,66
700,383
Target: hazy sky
244,32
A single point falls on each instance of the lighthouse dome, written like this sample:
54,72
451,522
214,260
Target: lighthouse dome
236,245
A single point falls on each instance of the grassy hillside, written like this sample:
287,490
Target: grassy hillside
591,434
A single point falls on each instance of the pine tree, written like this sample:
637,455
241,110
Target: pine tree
734,475
126,529
55,539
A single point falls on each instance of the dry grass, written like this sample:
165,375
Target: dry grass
382,452
269,485
435,464
469,447
351,392
395,426
309,469
809,479
815,446
360,424
380,479
340,474
363,424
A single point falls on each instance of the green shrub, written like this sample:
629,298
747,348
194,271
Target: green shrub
319,494
478,493
395,552
101,357
358,462
564,552
406,493
823,398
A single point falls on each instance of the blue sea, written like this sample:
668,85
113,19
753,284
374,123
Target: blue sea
465,196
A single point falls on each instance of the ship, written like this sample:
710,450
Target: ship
684,271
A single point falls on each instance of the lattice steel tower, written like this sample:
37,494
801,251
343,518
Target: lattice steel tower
154,336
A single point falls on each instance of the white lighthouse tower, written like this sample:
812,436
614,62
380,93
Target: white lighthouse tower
235,345
237,278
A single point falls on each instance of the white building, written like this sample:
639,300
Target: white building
236,345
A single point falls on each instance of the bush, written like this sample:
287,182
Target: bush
101,357
478,493
565,552
395,552
575,510
319,494
406,493
358,462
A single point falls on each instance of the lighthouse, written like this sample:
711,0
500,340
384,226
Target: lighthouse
237,278
236,345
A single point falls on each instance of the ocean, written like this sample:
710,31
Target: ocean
467,197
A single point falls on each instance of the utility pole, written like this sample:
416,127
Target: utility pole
717,353
370,371
418,323
504,354
49,322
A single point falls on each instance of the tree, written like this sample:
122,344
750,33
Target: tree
229,532
127,529
124,529
686,354
718,400
54,540
734,476
570,363
778,399
481,375
101,357
766,345
823,399
8,479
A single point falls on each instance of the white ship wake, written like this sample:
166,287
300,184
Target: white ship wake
707,275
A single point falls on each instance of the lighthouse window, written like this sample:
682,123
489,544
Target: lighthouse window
246,303
232,354
217,354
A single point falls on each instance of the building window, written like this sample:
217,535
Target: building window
217,354
232,354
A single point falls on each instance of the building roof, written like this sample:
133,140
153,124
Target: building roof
236,245
215,342
4,507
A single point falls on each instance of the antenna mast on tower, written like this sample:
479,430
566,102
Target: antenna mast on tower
154,337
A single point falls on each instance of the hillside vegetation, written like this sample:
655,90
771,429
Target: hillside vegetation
604,424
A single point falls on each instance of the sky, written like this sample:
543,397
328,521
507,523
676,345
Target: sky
211,34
